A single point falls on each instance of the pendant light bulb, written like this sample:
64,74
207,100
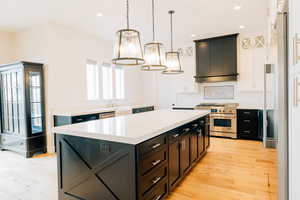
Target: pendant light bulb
154,51
172,57
128,49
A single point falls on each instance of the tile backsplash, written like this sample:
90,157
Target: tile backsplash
219,92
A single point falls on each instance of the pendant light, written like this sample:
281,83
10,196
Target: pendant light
154,52
172,57
128,49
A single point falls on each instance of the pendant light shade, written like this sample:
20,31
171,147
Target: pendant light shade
154,52
172,57
128,49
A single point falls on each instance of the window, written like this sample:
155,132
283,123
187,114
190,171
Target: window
111,77
92,80
119,83
107,78
113,82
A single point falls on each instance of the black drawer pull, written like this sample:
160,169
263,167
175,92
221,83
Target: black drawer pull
156,146
156,162
247,120
247,113
157,198
79,120
195,125
247,131
176,135
155,180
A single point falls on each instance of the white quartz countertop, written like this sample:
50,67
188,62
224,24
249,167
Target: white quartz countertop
132,129
86,111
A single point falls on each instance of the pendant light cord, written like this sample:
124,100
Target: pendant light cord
153,21
127,8
171,22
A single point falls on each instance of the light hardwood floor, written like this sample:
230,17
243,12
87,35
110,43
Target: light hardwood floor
231,170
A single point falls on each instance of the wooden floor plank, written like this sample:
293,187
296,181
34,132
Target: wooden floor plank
231,170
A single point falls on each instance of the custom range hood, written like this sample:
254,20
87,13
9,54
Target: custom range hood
216,59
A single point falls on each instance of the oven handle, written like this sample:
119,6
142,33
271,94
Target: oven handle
222,117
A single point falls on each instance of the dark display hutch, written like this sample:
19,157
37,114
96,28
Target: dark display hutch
22,108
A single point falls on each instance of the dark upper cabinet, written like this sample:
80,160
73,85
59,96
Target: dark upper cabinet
216,59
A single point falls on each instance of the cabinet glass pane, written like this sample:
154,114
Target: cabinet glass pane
35,102
11,103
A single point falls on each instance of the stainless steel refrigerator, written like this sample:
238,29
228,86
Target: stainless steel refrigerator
276,101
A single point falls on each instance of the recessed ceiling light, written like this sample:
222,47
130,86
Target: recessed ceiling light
242,27
193,35
99,15
237,7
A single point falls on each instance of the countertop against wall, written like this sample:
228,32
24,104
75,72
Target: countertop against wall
101,109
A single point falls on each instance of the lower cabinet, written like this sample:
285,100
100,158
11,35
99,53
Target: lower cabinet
184,153
174,158
187,145
97,169
249,124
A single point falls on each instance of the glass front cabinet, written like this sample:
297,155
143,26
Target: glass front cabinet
22,108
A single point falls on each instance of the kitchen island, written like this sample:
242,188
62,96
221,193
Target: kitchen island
133,157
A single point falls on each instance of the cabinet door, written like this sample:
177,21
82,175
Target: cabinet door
184,153
174,163
12,102
217,57
206,132
200,141
194,146
203,63
230,55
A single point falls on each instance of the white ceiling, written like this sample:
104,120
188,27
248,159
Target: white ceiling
200,17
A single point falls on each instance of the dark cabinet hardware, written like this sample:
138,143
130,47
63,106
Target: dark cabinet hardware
156,179
156,146
246,113
195,125
156,162
247,120
176,135
247,131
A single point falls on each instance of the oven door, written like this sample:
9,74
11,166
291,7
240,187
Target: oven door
223,123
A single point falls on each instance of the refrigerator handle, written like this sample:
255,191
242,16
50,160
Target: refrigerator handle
296,92
296,42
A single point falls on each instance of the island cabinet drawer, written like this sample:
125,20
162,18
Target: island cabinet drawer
153,161
158,192
247,114
152,145
151,179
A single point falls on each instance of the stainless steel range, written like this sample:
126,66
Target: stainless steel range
223,120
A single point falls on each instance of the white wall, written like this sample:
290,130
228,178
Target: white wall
6,47
182,89
64,52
